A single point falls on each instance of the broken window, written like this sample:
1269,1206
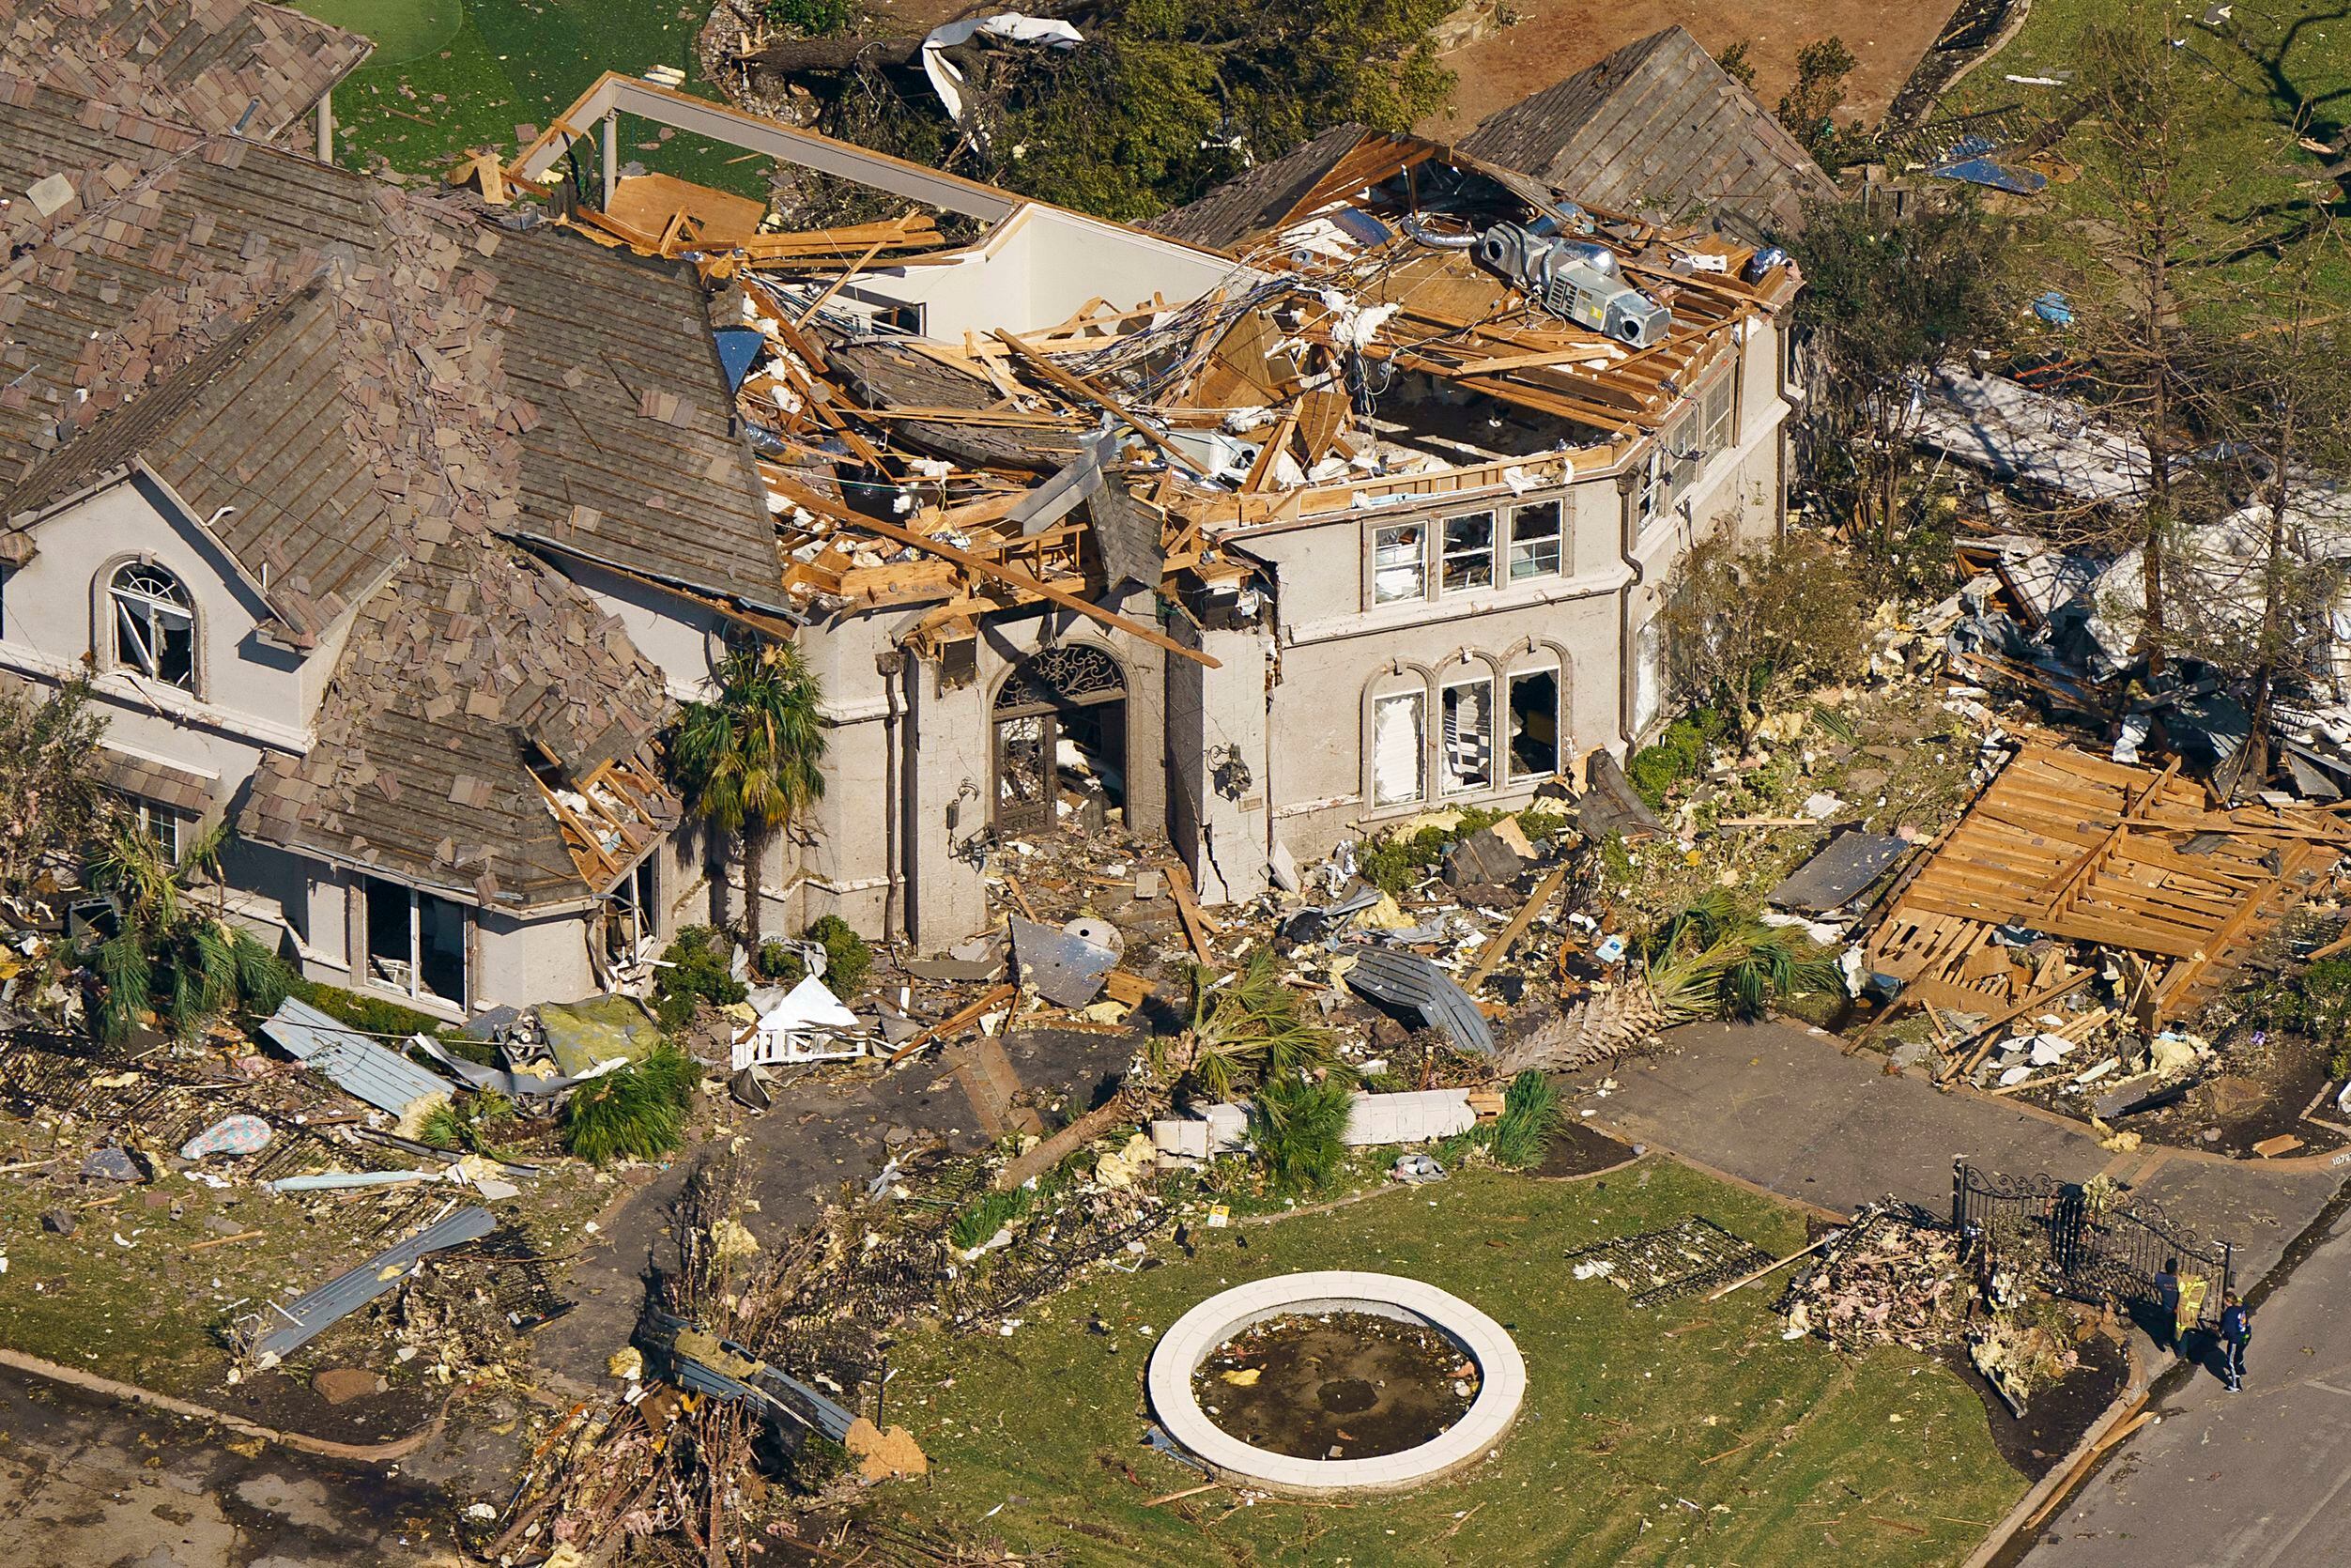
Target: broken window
416,942
1715,407
1679,442
1534,540
1399,749
629,920
1466,709
1534,724
1400,568
1468,551
155,624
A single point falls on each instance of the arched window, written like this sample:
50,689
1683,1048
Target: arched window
155,623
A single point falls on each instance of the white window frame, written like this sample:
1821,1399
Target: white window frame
1448,553
136,613
1559,720
158,822
363,969
1386,557
1525,551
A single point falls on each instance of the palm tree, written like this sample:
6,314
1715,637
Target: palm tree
1245,1024
1715,960
169,954
748,761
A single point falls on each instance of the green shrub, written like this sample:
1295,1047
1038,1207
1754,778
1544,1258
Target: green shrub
1677,755
815,18
1297,1123
1522,1134
635,1112
696,972
977,1225
846,959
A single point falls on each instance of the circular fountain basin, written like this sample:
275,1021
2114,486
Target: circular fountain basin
1196,1335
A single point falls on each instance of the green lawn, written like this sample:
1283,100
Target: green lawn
1685,1434
2294,80
451,75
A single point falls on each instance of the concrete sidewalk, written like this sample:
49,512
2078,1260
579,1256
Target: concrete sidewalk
1780,1105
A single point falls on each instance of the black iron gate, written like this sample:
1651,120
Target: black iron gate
2104,1245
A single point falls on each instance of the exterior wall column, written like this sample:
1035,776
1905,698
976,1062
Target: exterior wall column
611,158
946,780
1219,818
1146,669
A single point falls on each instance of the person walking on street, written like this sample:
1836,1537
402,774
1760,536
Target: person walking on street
2167,1303
2237,1331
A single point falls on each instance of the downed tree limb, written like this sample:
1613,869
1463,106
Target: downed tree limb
1121,1107
960,1019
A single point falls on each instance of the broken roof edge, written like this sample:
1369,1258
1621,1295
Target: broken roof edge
616,93
757,615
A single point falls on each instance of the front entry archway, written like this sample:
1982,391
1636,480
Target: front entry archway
1060,723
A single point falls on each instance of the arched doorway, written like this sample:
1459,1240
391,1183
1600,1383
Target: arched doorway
1060,723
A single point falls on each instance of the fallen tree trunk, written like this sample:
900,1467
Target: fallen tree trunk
1125,1106
794,56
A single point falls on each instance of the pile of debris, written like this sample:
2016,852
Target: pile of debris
2080,898
1890,1277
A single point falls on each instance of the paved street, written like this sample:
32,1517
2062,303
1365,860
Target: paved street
86,1482
1779,1105
2256,1480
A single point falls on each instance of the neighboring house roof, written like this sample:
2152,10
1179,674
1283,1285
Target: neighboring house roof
250,436
1659,129
202,63
1257,200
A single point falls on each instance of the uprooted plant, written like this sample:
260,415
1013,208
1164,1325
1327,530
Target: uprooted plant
1246,1025
1716,958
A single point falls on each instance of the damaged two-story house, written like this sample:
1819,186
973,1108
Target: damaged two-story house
1348,493
394,527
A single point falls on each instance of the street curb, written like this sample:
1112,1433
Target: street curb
90,1382
2061,1478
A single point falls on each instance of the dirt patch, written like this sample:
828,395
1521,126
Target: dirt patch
1337,1385
1555,39
287,1402
1578,1149
2257,1091
2056,1417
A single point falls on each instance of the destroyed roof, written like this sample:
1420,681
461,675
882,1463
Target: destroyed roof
1259,199
1659,128
250,437
204,63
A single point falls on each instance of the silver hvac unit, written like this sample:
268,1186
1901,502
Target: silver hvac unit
1575,278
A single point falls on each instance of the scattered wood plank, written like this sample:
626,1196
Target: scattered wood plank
1499,948
962,1017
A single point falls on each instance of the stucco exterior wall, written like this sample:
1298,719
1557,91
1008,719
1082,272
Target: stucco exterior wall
249,697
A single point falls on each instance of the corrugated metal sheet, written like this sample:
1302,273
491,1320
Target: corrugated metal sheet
352,1062
286,1330
1409,981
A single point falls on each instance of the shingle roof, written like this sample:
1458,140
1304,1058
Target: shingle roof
250,436
637,460
383,383
1658,128
1260,198
201,63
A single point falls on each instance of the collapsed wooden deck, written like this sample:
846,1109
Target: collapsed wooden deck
2140,863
